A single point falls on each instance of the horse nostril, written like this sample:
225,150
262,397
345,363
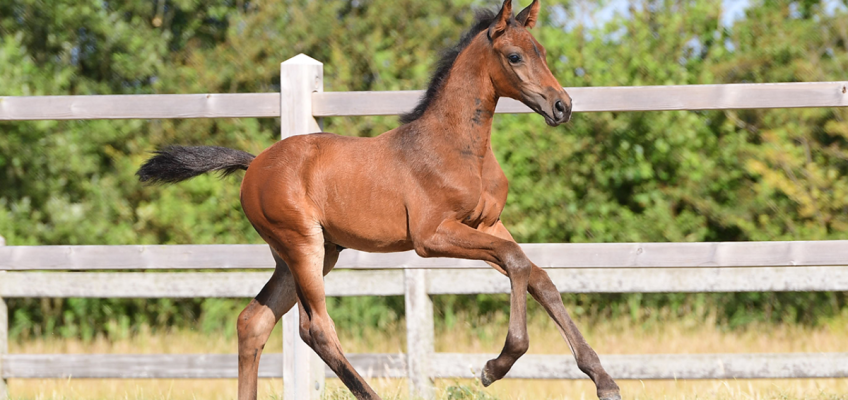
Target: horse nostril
560,108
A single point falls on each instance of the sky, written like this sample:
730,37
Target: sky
591,15
732,10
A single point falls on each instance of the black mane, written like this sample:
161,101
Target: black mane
482,21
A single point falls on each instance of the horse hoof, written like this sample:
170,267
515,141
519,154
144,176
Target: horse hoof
611,396
485,378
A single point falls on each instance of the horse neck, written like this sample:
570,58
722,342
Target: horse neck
461,113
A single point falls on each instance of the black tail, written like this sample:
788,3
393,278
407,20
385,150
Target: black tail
177,163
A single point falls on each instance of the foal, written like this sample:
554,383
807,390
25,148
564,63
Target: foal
432,185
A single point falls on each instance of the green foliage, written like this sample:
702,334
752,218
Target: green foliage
119,318
605,177
361,313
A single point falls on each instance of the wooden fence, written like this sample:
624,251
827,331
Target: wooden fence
616,267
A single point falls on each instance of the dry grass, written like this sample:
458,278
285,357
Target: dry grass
616,337
136,389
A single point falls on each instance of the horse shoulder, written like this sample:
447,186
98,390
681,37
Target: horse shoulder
495,183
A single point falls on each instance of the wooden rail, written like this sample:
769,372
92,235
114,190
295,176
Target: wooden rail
331,104
591,268
444,365
574,268
557,255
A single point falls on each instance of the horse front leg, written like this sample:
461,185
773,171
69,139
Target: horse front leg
545,292
453,239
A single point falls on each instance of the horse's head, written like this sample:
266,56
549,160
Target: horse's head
522,72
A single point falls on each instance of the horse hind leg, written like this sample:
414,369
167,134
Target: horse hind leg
256,322
316,327
258,319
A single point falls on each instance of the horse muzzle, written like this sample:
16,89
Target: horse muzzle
562,111
555,106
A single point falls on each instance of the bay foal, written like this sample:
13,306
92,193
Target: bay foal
432,185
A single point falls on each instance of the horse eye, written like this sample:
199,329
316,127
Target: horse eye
514,58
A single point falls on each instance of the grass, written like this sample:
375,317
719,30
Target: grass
621,336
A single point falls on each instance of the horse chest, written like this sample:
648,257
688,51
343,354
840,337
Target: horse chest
489,203
486,212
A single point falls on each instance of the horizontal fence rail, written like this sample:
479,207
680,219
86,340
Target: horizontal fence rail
331,104
444,365
549,255
140,106
440,281
619,98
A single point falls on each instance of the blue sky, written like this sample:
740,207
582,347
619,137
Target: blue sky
732,10
592,15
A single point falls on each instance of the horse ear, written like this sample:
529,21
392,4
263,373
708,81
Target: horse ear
529,15
501,20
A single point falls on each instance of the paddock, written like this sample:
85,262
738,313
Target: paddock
96,271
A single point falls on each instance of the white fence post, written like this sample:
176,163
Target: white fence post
4,337
300,76
419,334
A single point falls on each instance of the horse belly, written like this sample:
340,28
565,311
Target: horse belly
362,204
369,223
